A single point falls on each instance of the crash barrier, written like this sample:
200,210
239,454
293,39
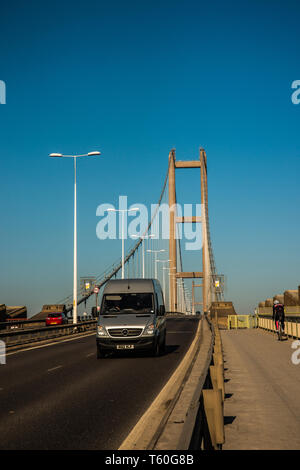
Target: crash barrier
292,328
214,398
24,336
188,412
242,321
13,324
197,419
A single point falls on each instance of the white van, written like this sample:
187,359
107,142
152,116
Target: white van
132,317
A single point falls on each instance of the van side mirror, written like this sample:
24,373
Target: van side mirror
162,310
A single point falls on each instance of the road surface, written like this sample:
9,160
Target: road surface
62,397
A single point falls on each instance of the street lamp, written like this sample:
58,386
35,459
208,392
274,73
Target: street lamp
188,297
143,237
155,259
163,270
180,297
133,209
171,274
60,155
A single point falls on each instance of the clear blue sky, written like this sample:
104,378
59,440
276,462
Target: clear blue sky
133,80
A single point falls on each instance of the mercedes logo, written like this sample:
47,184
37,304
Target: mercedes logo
125,332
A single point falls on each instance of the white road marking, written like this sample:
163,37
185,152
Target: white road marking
91,354
54,368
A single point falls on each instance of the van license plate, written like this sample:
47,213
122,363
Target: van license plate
125,346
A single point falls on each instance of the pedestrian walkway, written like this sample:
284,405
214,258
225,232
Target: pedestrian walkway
262,387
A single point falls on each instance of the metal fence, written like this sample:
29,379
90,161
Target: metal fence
292,328
28,335
242,321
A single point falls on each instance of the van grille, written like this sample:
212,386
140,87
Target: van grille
124,332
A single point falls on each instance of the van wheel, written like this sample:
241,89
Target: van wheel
163,346
100,353
156,348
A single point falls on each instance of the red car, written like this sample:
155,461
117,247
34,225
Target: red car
56,319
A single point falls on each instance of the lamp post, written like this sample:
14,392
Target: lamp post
188,296
143,237
180,294
155,259
163,270
133,209
59,155
171,274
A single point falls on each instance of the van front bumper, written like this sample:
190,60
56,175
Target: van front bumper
140,343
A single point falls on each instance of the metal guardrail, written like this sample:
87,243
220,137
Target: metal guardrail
12,324
292,328
24,336
23,324
242,321
188,412
288,317
208,433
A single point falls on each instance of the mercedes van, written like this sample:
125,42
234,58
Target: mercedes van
132,317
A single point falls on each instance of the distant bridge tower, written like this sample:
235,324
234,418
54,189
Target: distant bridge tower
210,280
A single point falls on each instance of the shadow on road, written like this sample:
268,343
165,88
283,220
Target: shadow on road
228,419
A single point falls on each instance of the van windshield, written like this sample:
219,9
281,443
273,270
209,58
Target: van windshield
115,304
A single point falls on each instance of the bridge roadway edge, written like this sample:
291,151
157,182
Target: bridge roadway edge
159,427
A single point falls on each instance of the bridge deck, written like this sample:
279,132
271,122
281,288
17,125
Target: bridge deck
262,385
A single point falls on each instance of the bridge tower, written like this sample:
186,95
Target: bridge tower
208,273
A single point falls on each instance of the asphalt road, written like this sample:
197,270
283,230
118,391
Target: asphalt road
62,397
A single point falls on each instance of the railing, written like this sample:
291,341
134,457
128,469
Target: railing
209,427
242,321
292,328
21,324
188,412
12,324
28,335
203,427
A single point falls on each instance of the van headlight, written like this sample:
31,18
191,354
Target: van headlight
101,331
149,330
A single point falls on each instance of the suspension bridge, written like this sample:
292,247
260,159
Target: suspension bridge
142,257
211,389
